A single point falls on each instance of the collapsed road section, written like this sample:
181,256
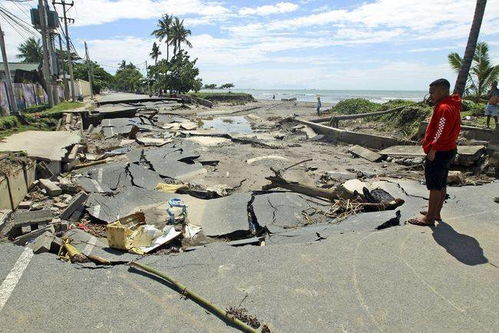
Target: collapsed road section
164,177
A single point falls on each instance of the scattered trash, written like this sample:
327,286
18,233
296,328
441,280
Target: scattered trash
170,188
177,211
455,178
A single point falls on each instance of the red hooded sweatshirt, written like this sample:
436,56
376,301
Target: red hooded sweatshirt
445,124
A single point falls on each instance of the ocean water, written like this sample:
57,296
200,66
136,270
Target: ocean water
334,96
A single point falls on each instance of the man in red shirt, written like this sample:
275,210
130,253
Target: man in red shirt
440,146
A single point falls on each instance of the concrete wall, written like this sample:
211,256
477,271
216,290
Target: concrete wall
15,185
82,88
469,132
362,139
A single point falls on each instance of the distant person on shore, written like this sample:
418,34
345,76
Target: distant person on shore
440,146
273,97
319,105
492,107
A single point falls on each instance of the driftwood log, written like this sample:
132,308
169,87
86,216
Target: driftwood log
277,180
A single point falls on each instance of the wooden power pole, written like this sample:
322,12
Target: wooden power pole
10,90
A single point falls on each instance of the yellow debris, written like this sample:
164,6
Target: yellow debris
169,188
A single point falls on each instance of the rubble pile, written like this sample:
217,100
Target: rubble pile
130,180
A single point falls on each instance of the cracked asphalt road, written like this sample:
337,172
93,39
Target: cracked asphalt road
402,279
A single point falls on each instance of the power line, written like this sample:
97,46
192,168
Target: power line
14,24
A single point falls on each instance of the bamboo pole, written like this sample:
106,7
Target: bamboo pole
219,311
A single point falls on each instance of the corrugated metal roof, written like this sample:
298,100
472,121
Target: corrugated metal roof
28,67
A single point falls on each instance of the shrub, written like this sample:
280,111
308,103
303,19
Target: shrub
356,105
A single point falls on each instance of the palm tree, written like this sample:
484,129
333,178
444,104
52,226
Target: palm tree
163,31
179,35
462,77
482,72
31,51
155,53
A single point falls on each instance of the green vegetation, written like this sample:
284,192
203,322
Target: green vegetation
30,51
128,78
178,74
38,118
102,79
482,71
226,97
210,86
355,106
227,86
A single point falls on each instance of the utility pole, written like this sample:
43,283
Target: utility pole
53,66
90,72
68,48
10,90
61,66
46,72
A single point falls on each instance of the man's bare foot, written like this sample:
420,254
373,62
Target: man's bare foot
422,221
425,212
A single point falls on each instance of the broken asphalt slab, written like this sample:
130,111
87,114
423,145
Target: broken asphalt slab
41,144
112,176
143,177
286,210
109,208
220,217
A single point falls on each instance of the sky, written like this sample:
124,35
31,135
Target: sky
296,44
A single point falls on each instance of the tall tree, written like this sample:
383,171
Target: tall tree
462,77
179,36
155,53
163,32
31,51
482,71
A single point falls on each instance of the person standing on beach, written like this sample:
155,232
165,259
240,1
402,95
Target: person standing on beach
440,146
319,105
492,107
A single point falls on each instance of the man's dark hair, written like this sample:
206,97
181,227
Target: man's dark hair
440,83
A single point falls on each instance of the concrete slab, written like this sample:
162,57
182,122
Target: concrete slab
90,185
52,188
127,201
362,139
209,141
113,175
219,217
22,217
365,153
41,144
143,177
417,151
280,211
76,203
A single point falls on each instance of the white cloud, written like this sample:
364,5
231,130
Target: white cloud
279,8
93,12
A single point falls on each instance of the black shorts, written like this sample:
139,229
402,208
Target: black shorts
436,171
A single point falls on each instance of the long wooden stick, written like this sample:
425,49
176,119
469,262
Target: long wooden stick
219,311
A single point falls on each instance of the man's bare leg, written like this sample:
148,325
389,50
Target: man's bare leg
488,121
434,205
443,195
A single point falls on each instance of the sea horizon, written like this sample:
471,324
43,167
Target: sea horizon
332,95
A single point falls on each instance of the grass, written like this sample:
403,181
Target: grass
226,97
208,94
40,118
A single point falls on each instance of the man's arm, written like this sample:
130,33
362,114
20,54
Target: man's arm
444,127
